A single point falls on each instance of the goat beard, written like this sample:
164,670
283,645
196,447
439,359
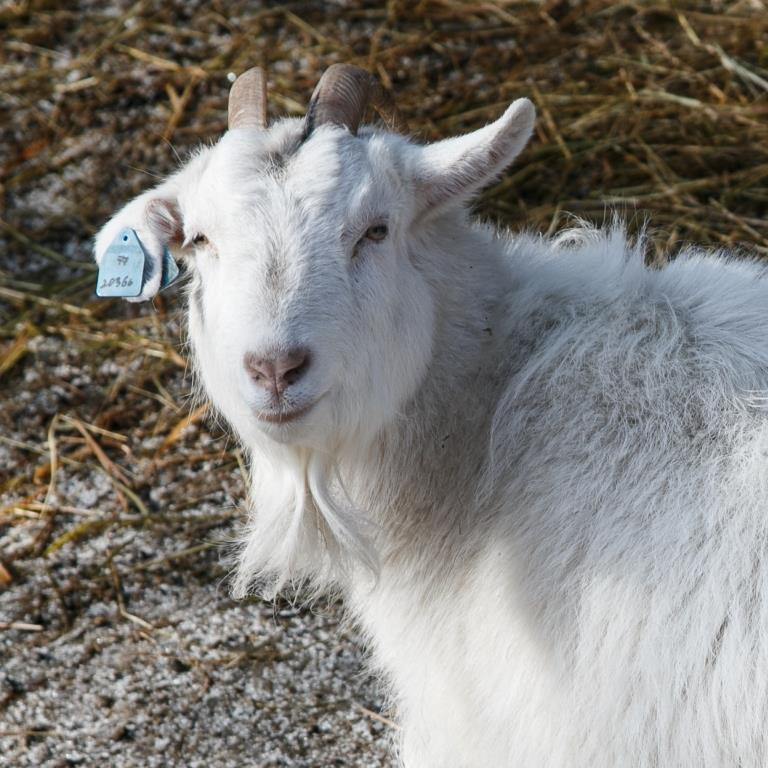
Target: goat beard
303,530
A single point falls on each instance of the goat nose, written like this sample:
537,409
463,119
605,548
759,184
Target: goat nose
276,372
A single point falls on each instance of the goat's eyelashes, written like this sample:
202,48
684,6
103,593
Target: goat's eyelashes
199,240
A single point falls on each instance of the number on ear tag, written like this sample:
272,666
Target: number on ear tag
121,272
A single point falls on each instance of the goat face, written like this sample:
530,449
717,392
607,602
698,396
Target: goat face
309,320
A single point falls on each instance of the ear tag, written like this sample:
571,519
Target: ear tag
121,272
122,269
170,270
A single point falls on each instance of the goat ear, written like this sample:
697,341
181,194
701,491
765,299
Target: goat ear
164,219
453,170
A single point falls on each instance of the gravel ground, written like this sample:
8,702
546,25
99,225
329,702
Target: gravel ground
189,678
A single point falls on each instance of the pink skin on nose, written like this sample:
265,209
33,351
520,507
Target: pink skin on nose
275,373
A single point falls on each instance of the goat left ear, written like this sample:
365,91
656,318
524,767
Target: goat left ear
453,170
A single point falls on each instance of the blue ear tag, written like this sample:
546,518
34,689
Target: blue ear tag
122,270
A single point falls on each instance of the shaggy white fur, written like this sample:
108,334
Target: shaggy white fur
536,469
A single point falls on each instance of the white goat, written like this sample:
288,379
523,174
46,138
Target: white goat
536,470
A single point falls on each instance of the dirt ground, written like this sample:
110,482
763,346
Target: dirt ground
119,644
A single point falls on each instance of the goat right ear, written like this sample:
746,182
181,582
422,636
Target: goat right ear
453,170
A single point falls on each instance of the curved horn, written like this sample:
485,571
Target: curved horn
342,96
248,100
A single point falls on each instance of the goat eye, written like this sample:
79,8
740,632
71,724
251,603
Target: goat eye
376,233
199,240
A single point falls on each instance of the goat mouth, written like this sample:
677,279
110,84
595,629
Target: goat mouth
283,416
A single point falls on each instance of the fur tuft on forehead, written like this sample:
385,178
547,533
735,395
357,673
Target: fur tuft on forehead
245,152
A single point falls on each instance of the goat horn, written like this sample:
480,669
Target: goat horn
248,100
342,96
